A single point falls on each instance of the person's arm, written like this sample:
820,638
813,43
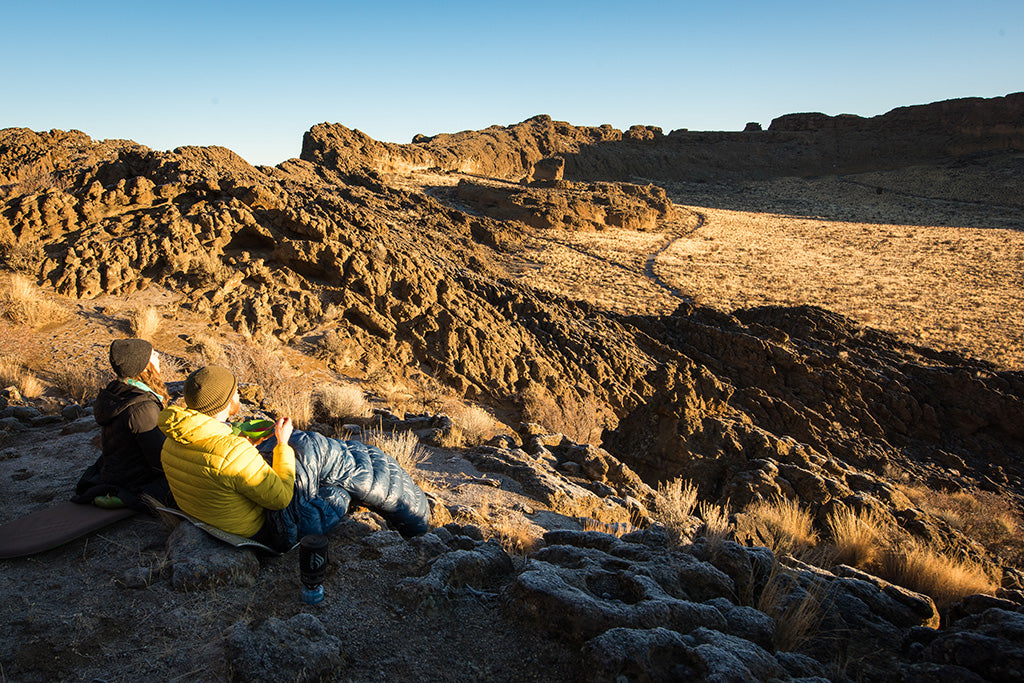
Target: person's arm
270,487
142,424
284,455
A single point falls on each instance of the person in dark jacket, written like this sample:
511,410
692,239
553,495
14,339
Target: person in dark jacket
126,410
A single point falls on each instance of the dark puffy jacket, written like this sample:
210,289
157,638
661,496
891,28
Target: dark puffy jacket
330,473
129,464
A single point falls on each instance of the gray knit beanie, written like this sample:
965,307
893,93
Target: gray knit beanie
210,389
129,357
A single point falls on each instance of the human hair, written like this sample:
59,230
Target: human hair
151,378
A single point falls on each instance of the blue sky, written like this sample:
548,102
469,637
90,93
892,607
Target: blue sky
254,76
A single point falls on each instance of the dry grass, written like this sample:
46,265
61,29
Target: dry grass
343,401
287,393
900,266
857,537
10,371
144,322
577,418
475,424
674,506
591,507
340,352
982,516
171,368
402,446
924,570
395,391
30,386
79,380
797,610
23,303
207,350
514,532
439,513
613,528
716,522
13,373
789,527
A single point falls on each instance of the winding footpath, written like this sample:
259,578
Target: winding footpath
652,260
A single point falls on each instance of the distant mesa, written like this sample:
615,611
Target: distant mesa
794,144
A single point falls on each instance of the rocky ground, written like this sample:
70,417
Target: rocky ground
844,341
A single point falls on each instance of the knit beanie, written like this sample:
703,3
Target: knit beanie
209,389
129,357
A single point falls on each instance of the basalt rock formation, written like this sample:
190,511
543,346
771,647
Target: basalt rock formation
573,206
795,144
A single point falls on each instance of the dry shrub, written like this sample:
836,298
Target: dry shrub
673,507
395,392
430,396
475,424
797,610
34,180
144,322
944,579
857,536
402,446
613,528
439,512
79,380
30,386
13,373
171,367
982,516
10,371
23,303
207,350
514,532
589,506
716,522
287,393
789,527
577,418
341,353
343,401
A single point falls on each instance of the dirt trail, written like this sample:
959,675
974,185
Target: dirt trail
652,260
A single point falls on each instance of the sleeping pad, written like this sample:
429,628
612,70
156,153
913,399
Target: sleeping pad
331,473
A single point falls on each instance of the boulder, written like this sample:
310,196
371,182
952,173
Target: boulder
197,561
297,649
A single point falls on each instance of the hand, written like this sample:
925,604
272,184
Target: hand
283,430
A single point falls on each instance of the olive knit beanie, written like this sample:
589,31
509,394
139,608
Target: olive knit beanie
129,357
209,389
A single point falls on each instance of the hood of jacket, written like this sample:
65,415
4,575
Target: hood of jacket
187,426
117,397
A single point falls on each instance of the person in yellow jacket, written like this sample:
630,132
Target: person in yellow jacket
218,477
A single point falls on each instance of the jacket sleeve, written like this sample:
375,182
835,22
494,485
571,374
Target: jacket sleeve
142,423
270,487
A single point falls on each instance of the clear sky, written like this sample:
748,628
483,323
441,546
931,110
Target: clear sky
253,76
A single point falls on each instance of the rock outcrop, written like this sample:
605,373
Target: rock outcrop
795,144
571,206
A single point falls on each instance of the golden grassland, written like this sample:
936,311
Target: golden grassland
948,288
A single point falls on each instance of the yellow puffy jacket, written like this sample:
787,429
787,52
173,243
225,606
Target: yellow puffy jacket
221,478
